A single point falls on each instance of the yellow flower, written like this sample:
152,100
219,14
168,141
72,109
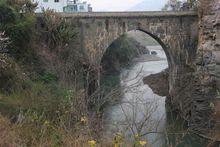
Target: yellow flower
46,123
83,119
136,136
142,143
92,143
118,138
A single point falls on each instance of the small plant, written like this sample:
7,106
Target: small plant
118,139
57,31
92,143
17,19
48,77
142,143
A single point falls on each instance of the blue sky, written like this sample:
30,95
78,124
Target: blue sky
115,5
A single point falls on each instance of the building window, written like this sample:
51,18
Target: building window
45,1
56,1
75,8
81,7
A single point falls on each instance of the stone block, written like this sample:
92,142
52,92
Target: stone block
217,42
217,57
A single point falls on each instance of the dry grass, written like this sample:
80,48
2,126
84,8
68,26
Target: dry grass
8,136
13,135
16,135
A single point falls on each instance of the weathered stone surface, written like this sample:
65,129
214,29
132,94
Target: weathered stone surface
152,81
206,76
217,57
217,42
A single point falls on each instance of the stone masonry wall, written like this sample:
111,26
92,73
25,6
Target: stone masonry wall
206,78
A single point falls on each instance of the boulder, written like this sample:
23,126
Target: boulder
158,83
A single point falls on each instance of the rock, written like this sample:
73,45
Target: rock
153,53
158,83
142,49
217,42
146,51
217,57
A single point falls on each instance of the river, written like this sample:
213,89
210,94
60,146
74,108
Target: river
141,113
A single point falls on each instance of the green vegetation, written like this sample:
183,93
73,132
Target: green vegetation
110,86
18,26
117,56
41,100
120,53
57,32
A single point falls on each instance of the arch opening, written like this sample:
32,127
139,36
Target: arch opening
123,70
132,45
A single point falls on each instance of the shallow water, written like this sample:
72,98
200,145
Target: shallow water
140,111
143,112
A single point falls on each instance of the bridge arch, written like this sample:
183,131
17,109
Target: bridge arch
177,33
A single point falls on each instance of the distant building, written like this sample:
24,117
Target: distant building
77,6
67,6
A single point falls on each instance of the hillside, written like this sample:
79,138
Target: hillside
148,5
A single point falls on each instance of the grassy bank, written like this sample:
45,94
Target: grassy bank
42,93
41,83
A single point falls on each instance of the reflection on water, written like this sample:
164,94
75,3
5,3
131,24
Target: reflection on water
141,111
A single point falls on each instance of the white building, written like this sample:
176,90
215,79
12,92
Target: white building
77,6
68,6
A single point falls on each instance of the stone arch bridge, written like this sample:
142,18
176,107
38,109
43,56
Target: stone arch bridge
176,32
